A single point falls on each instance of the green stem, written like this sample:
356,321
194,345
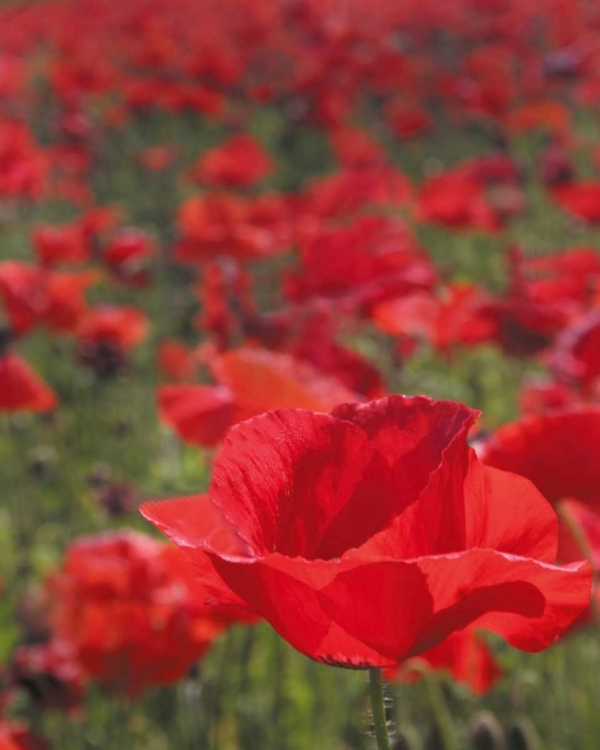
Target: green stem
440,710
378,710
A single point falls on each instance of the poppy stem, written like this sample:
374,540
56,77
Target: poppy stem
378,710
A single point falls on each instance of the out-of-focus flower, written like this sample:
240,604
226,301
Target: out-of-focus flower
239,162
125,607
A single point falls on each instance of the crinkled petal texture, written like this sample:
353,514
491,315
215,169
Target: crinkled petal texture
371,534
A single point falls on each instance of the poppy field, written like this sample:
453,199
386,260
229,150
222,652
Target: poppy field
299,375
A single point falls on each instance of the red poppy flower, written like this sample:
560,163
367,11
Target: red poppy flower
540,395
158,158
408,121
251,380
349,191
370,535
21,389
576,352
72,242
315,343
224,224
127,255
374,258
22,291
451,319
66,306
225,298
568,277
175,360
355,147
494,169
548,115
23,166
66,243
263,380
200,414
237,163
124,327
34,295
522,327
105,336
558,452
125,607
413,315
464,655
458,201
580,199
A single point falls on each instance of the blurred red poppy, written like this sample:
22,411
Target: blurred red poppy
21,389
581,199
547,115
251,380
541,395
557,451
66,243
576,352
372,259
199,414
158,158
237,163
33,295
127,256
350,191
355,147
105,336
123,326
175,360
464,655
225,224
23,164
124,604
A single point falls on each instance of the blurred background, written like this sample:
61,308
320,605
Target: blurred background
212,209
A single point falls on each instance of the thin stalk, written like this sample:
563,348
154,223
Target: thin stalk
378,710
